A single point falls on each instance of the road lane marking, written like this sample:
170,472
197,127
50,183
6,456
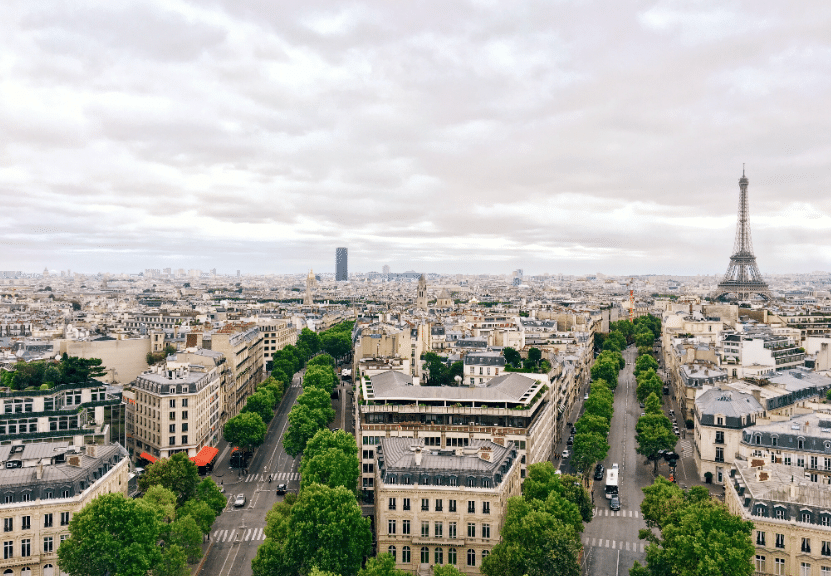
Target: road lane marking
247,534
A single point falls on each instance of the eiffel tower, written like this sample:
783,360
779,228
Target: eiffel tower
743,277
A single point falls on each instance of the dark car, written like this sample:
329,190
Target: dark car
570,441
598,472
614,503
281,488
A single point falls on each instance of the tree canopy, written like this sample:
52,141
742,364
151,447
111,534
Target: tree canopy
177,473
331,459
245,430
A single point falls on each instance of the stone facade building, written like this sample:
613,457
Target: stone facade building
442,506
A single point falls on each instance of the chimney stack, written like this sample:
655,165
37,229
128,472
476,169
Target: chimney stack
418,455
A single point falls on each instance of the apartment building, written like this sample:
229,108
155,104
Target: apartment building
720,418
759,352
511,407
242,345
43,486
79,413
174,408
480,367
790,515
439,506
277,334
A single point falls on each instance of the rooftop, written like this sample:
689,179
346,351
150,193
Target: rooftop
395,386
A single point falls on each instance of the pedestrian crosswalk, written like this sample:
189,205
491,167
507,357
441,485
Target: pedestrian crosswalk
621,513
685,448
614,544
280,476
238,535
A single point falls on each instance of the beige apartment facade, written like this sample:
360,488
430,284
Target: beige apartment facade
242,346
442,506
49,484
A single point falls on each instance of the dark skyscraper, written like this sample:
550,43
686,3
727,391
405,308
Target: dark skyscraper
341,271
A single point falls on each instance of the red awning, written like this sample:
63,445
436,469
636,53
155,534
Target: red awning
205,456
147,456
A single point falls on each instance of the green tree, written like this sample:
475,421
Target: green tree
321,360
615,341
111,535
320,403
162,500
245,430
445,570
331,459
276,387
76,369
599,406
320,377
382,565
589,448
653,436
201,512
648,383
652,404
173,562
304,423
185,533
208,492
606,369
534,356
177,473
542,480
645,362
512,357
592,423
310,339
327,530
699,536
337,344
262,403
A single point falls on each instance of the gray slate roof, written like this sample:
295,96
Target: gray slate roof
510,387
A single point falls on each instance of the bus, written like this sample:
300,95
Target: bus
612,481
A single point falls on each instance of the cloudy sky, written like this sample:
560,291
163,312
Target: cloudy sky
442,136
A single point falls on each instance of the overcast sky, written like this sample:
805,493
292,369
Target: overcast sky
444,136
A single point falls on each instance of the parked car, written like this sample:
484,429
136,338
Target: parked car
599,470
614,503
240,501
641,405
570,441
281,488
586,396
672,413
566,453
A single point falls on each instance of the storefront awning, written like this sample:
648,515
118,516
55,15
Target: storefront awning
147,457
205,456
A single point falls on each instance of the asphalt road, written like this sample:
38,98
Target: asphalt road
610,540
238,532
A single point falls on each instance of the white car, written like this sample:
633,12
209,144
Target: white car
566,453
239,501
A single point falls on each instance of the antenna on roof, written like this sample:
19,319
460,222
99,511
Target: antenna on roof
742,169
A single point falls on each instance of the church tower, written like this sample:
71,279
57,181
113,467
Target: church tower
421,299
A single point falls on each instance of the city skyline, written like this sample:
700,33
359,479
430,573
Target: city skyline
471,138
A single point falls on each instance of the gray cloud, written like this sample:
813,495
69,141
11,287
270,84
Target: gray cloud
470,137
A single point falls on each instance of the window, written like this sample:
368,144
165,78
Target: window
25,522
438,530
64,518
184,414
369,468
825,571
780,513
172,416
184,402
720,436
774,440
471,530
814,462
800,443
438,506
368,454
391,552
172,403
392,504
486,507
26,547
485,554
825,520
8,550
172,441
47,520
471,557
760,538
48,544
405,555
425,555
804,569
779,567
806,517
171,429
719,454
451,530
486,531
425,504
451,505
439,555
719,421
806,545
780,541
184,439
8,524
405,526
451,555
760,563
391,526
425,529
471,507
826,548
